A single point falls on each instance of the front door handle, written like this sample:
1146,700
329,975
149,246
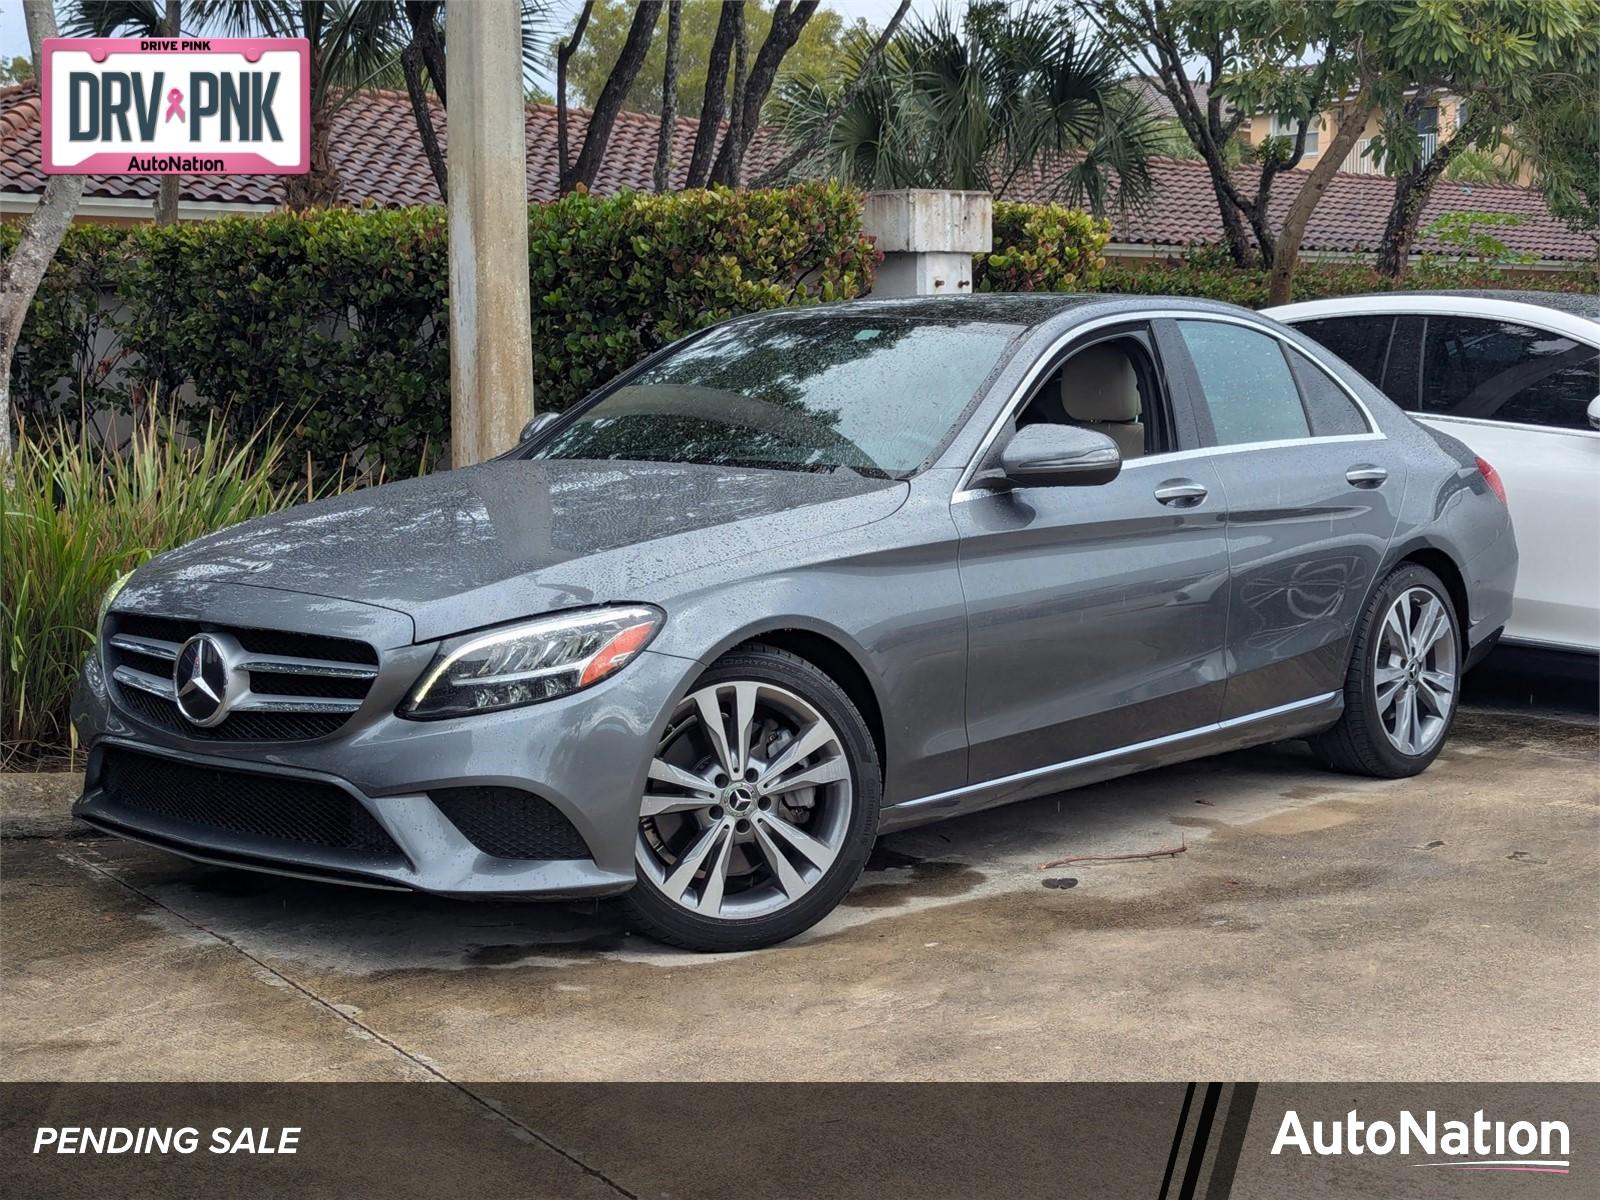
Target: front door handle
1365,475
1180,493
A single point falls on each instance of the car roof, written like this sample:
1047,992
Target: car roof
1025,309
1572,303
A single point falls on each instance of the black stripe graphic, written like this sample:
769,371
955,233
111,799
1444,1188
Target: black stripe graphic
1202,1135
1177,1141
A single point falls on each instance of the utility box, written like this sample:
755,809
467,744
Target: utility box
928,237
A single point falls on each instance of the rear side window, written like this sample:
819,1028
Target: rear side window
1249,392
1502,371
1328,406
1363,342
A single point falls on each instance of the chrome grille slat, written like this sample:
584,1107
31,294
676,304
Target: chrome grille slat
149,647
254,702
145,682
278,664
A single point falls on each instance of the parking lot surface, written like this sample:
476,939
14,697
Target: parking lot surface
1313,926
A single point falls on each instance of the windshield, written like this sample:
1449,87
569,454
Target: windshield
812,393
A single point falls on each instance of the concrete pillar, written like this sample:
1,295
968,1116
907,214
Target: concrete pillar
491,345
928,238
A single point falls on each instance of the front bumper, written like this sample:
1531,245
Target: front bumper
586,755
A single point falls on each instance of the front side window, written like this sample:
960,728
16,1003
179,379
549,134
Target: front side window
1502,371
796,393
1248,390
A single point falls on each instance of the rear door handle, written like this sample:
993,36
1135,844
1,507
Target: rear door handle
1180,493
1365,475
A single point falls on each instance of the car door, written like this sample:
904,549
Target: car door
1313,494
1097,615
1518,395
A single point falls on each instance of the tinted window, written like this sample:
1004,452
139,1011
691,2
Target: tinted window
1328,405
1363,342
1497,370
1401,374
877,394
1248,389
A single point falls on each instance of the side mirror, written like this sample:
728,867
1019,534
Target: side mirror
1594,413
1059,456
542,421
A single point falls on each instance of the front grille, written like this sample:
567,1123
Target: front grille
297,811
301,685
508,823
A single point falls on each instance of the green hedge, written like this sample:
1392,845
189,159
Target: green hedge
1042,248
336,321
1209,273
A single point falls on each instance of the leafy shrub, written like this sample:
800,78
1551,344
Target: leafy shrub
337,319
75,519
1042,248
615,280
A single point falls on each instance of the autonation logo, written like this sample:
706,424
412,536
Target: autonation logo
1480,1144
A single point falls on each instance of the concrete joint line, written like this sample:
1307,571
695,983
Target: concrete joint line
481,1101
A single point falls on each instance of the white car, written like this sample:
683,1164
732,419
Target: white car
1516,376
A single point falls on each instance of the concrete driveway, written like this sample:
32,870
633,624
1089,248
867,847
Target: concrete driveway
1314,927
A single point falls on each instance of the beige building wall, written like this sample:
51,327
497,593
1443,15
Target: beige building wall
1261,126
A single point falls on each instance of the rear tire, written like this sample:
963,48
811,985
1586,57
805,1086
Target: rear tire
1403,682
760,809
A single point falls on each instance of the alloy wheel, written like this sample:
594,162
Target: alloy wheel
1414,675
748,801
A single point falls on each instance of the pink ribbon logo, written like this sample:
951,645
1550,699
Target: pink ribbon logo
175,105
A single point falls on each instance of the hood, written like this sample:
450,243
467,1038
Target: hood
512,538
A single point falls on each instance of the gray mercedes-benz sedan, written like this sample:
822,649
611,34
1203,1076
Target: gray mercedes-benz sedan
799,579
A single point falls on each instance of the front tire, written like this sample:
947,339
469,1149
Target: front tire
760,808
1403,682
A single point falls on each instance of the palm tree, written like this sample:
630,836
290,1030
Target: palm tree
352,44
978,100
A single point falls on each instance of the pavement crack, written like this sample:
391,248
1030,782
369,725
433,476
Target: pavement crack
484,1102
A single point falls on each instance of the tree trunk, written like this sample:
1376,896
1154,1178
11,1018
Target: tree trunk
612,96
423,16
711,108
1304,204
563,55
1411,192
780,172
167,191
725,169
318,187
411,63
41,235
787,24
662,176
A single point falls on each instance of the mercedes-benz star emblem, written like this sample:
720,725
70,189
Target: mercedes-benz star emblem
203,677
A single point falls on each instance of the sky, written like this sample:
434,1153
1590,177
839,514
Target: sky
14,34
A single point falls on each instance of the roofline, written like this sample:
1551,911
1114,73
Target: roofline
125,207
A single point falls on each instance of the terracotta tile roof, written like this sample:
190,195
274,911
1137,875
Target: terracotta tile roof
380,160
378,155
1349,217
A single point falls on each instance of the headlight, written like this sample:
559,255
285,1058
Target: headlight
117,585
531,661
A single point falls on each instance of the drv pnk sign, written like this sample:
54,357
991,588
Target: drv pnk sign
171,106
